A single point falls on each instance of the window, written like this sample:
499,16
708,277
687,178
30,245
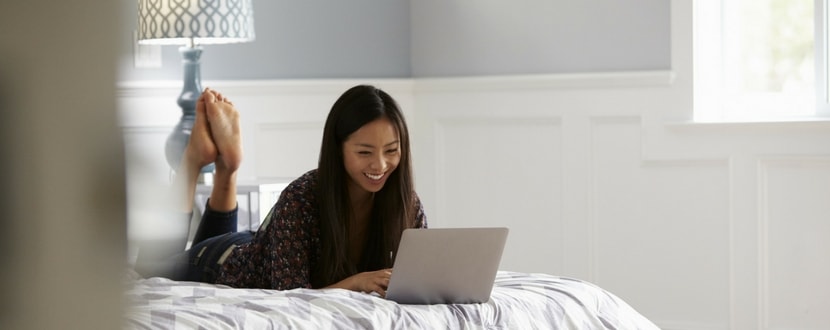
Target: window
760,60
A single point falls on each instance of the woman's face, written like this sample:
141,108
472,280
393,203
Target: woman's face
371,154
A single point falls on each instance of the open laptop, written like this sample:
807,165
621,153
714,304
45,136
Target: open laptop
446,265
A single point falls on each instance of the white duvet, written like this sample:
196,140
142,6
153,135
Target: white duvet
518,301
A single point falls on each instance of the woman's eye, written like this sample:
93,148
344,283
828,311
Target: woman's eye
364,153
391,151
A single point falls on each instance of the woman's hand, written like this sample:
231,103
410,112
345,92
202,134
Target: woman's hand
368,282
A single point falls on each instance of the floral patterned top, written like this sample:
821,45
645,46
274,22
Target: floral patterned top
287,245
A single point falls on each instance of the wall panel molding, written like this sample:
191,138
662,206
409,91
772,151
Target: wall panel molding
592,80
154,88
495,160
795,223
273,141
625,80
644,222
442,125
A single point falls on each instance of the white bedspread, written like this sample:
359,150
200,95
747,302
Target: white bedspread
518,301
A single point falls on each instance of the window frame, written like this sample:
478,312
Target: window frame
822,40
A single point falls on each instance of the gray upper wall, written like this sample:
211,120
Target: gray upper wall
298,39
498,37
429,38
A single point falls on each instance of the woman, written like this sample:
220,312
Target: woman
336,226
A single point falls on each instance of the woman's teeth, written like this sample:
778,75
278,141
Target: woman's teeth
373,176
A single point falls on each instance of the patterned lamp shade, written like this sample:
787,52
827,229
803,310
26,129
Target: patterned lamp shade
195,22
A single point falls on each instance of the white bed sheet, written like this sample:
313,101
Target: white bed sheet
518,301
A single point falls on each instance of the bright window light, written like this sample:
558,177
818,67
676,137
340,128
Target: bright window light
756,60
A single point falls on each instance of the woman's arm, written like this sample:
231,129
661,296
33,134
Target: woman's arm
378,281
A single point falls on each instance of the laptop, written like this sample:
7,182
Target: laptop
446,265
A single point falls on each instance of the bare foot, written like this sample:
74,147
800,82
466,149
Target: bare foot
223,119
200,150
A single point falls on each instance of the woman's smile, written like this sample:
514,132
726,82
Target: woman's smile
374,177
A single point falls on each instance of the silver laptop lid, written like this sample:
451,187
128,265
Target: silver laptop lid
446,265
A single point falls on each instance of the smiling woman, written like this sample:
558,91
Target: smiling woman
365,136
334,226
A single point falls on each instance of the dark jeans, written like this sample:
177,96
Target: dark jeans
205,259
215,237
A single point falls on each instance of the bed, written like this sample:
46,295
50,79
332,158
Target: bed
518,301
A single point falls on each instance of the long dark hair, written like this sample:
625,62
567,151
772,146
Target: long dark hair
392,210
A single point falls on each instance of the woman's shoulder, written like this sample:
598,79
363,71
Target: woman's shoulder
307,181
302,188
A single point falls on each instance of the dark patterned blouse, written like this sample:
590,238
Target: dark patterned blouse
287,245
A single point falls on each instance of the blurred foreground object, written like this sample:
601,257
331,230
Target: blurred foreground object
64,227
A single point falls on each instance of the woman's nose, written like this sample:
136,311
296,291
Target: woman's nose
378,164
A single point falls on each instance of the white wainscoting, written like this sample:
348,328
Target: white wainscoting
794,244
716,226
488,168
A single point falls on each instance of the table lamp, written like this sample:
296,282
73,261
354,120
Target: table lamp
192,23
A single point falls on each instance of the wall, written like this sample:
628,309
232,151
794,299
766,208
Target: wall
697,226
296,40
599,175
428,38
491,37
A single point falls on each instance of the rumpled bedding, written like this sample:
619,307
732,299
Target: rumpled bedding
518,301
